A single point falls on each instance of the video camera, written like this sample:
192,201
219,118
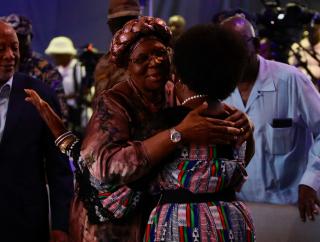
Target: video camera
284,25
89,58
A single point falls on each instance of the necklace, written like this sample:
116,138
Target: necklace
192,98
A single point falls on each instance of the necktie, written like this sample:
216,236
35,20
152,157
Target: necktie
5,92
4,95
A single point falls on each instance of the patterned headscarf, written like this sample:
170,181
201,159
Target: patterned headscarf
132,32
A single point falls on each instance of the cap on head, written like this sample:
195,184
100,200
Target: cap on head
120,8
22,25
61,45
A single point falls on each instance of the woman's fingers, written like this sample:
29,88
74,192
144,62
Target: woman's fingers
222,132
35,99
30,98
32,95
235,116
220,122
223,126
229,109
202,129
242,121
30,92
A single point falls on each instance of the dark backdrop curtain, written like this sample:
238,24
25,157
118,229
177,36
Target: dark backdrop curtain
85,20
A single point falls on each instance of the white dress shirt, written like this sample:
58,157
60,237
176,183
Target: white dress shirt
4,101
288,156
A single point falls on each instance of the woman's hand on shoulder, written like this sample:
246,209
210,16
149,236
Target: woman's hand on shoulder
196,128
242,122
53,121
36,100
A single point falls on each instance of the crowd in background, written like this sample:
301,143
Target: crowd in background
234,122
64,68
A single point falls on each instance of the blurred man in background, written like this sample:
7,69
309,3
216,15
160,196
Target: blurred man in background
177,25
63,52
106,73
284,107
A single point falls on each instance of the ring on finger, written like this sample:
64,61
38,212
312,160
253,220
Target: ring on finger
241,130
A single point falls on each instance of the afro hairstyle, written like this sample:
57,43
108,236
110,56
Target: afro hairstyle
210,60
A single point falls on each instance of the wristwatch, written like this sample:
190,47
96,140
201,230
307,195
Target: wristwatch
175,136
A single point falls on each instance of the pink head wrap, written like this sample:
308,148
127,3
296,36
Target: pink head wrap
132,32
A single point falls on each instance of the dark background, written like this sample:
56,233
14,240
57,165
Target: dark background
85,21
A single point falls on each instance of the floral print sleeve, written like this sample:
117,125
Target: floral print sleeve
109,150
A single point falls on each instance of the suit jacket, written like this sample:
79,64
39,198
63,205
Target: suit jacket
29,158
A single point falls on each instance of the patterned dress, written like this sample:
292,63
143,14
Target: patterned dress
113,143
200,169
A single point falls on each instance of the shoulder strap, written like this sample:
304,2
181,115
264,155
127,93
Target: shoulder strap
78,75
75,78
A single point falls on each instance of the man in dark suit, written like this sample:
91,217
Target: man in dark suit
28,158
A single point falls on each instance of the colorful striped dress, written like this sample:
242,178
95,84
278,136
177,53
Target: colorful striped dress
200,170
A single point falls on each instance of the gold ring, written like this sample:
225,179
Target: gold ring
241,130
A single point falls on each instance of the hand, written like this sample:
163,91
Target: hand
36,100
53,121
241,121
58,236
197,128
308,202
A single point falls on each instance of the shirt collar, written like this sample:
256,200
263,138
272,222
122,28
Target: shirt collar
264,82
8,83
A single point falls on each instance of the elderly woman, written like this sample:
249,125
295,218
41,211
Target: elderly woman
198,187
125,141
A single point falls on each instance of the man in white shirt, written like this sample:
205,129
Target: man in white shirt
62,50
285,109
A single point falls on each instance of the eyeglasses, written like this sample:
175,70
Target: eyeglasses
143,58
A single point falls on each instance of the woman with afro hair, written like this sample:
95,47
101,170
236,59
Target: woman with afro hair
197,189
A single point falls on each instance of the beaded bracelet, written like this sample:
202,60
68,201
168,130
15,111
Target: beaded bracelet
70,148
